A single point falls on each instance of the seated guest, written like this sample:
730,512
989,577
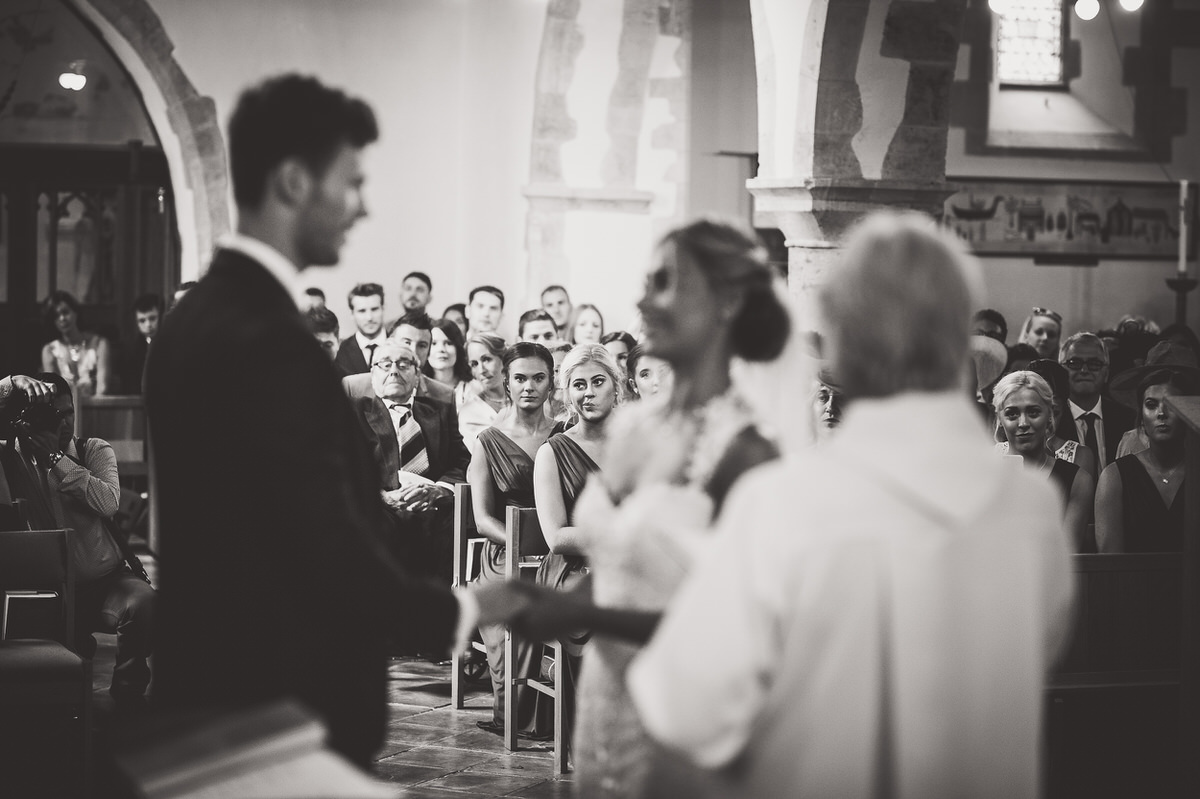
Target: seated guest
619,344
148,312
1099,421
447,361
556,407
485,309
1169,352
828,404
1025,411
457,313
482,405
83,358
313,298
416,444
501,475
587,325
1140,499
557,303
1042,331
1183,336
413,330
990,323
536,326
1019,356
415,292
72,483
1055,374
592,381
648,375
324,326
357,352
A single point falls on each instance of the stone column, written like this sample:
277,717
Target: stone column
853,114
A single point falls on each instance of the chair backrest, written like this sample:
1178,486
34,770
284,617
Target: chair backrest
40,560
464,528
523,538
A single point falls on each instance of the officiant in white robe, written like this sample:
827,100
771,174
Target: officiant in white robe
884,608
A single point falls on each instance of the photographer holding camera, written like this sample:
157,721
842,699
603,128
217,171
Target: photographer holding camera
72,483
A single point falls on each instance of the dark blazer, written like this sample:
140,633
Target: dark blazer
349,359
276,580
448,455
1118,420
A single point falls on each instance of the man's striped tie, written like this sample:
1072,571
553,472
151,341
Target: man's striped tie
413,457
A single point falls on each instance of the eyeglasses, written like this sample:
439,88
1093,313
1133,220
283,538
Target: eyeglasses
1047,312
400,365
1092,364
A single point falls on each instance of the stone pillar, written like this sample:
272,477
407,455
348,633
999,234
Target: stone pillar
853,115
608,161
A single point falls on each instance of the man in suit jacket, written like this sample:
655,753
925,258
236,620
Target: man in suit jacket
1100,421
358,351
413,330
275,577
148,311
420,464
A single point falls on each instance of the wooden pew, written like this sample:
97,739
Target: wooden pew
1123,706
1112,722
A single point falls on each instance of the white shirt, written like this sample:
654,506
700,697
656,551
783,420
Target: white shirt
363,342
904,551
1077,414
272,259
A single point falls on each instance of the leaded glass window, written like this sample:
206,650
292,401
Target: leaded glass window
1029,43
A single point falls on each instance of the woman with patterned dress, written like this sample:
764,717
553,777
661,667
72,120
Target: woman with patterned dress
84,359
669,463
1025,410
501,476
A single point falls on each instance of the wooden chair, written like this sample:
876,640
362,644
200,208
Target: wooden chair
35,672
525,548
468,552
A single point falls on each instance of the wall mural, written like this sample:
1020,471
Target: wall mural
1113,220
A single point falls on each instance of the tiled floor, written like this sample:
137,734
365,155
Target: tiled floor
431,749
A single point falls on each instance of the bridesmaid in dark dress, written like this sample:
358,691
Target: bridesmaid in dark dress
1139,502
590,380
501,475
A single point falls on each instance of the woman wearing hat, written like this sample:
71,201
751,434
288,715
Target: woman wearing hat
1025,410
1173,350
1139,501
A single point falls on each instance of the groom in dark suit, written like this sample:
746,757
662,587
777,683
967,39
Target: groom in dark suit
276,579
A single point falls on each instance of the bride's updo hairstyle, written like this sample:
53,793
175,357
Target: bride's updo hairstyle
731,257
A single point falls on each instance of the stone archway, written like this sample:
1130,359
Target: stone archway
854,101
185,121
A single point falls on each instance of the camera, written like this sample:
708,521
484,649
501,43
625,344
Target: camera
36,417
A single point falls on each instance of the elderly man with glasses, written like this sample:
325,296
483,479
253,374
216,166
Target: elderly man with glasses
1100,421
420,453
